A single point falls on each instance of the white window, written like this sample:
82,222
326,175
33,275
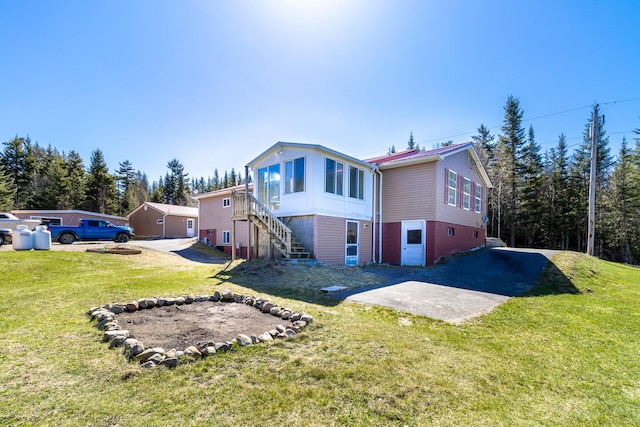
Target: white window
294,176
453,187
226,202
466,194
226,237
356,183
333,178
478,206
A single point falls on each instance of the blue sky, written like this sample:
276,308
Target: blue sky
214,83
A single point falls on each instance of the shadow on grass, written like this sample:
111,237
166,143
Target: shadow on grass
511,273
552,282
300,281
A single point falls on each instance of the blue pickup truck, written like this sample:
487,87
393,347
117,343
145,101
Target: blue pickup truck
91,229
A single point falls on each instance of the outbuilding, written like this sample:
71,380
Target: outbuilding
160,220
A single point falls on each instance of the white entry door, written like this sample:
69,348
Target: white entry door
352,241
413,243
191,229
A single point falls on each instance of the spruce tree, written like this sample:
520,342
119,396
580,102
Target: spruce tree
411,144
101,194
511,142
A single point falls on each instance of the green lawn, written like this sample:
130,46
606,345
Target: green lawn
566,354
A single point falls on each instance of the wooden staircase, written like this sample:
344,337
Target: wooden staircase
247,207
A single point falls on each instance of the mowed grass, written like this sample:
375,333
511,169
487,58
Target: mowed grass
565,354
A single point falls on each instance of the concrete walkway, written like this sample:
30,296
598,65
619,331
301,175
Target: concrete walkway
463,288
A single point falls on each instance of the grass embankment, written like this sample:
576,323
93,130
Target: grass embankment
566,354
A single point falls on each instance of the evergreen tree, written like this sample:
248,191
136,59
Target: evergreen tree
216,180
233,179
157,192
484,144
7,191
618,214
579,181
558,207
101,193
176,189
511,142
530,180
411,144
124,178
74,166
19,169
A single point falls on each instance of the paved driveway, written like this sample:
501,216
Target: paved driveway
464,287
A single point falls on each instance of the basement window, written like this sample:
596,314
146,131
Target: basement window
450,231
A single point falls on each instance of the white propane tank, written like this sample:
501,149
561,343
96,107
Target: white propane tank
22,239
42,238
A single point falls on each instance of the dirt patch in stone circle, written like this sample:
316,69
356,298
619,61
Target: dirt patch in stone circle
180,326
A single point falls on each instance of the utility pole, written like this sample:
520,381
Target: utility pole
595,129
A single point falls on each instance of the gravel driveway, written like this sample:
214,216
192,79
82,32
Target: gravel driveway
463,288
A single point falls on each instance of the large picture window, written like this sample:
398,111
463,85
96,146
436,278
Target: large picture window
269,187
294,176
334,180
452,188
356,183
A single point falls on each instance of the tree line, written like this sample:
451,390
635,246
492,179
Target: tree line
540,199
37,177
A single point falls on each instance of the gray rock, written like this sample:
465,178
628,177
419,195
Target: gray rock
130,342
273,332
280,328
290,332
300,323
180,301
294,317
117,342
188,299
222,346
199,298
171,353
227,295
254,338
135,350
179,354
148,365
131,306
142,303
161,301
117,308
243,340
146,354
306,318
169,301
151,302
285,314
170,362
274,311
217,296
192,350
266,337
91,310
266,307
109,335
156,358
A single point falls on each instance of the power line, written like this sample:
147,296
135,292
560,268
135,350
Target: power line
608,103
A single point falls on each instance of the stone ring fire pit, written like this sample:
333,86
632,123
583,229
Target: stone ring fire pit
127,324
